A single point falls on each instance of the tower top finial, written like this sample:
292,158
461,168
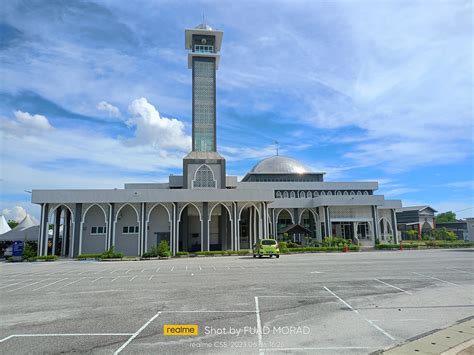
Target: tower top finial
277,147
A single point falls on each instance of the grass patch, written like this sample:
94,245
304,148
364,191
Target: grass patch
44,257
89,256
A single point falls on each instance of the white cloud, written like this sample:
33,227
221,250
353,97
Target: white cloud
16,213
111,110
32,122
155,130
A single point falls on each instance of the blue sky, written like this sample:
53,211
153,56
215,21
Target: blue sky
96,94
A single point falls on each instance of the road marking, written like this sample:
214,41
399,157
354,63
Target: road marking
379,329
157,269
356,311
316,272
400,320
150,278
320,348
16,283
340,299
214,268
133,278
62,335
134,335
143,270
395,287
259,325
115,279
200,268
52,283
172,268
435,278
113,271
96,279
34,283
166,311
70,283
186,267
300,296
467,272
128,271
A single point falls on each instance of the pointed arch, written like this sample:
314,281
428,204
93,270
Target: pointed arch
121,207
285,209
204,178
310,210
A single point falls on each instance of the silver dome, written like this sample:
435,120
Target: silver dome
204,26
279,165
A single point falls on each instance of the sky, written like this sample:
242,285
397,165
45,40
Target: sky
95,94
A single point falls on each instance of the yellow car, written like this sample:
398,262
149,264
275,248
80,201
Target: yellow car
266,247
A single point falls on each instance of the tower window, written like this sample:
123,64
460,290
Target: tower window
200,48
204,178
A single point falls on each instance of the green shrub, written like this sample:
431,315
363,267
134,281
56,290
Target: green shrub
89,256
182,253
111,254
335,242
163,249
244,252
29,250
283,246
44,257
292,244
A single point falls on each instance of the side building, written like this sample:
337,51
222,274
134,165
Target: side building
205,209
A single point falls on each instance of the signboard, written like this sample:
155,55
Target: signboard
17,250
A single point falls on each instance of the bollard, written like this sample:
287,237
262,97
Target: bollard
401,246
346,248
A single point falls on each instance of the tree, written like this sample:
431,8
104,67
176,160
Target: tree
12,223
449,216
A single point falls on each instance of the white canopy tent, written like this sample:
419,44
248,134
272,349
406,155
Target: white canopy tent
26,230
4,227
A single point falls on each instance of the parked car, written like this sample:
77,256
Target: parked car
266,247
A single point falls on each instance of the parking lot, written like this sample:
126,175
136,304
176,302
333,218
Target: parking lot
313,303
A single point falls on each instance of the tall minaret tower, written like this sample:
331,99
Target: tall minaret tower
204,167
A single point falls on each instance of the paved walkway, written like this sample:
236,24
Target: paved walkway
457,339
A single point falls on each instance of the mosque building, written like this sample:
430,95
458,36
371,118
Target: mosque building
204,208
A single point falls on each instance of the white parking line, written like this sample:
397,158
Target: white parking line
259,325
316,272
133,278
113,271
200,268
52,283
356,311
435,278
70,283
34,283
62,335
115,279
128,271
157,269
143,270
214,268
395,287
340,299
96,279
186,267
150,278
319,348
172,268
134,335
16,283
466,272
